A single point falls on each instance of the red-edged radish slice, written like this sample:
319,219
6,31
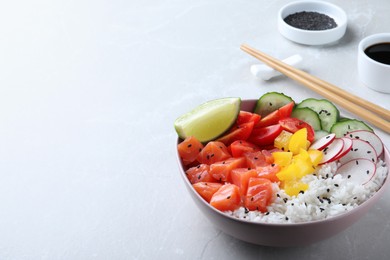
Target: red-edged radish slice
331,151
346,148
369,137
359,171
360,149
323,142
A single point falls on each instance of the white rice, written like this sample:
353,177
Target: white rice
328,195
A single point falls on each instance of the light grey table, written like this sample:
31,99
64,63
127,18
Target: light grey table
89,91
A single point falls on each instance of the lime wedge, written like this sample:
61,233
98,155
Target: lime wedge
209,120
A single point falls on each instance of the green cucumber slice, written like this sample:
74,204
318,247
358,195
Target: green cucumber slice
348,125
270,102
319,134
327,112
309,116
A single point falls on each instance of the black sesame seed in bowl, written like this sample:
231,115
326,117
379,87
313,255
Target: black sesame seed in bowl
312,22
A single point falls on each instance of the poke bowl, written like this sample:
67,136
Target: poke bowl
332,200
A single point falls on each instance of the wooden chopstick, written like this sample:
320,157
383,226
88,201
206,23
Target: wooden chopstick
368,111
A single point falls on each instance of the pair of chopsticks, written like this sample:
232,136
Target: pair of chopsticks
372,113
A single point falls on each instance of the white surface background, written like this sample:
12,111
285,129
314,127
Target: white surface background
89,91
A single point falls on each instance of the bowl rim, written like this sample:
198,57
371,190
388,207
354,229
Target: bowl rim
379,192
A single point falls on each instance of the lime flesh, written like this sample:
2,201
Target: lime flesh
209,120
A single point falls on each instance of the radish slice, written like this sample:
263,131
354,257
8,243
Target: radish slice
331,151
323,142
347,147
369,137
360,149
359,171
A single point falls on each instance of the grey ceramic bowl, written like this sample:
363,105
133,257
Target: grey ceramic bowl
280,234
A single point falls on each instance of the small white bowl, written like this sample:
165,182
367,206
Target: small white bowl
373,74
311,37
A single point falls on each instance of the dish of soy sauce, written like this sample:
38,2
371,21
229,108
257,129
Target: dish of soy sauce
379,52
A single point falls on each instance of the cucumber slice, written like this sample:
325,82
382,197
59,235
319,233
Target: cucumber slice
344,118
309,116
209,120
344,127
270,102
327,112
319,134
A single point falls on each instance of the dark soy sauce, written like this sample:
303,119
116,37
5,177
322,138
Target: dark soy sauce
379,52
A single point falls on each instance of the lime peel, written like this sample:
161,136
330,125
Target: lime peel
209,120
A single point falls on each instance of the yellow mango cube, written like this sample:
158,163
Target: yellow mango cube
282,158
305,168
293,188
282,140
298,140
315,156
288,173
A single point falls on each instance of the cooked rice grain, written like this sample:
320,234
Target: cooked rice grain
328,195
